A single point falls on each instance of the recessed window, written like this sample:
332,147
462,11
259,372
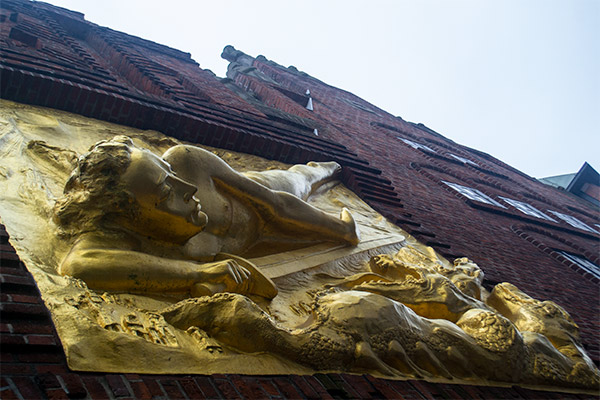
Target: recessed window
416,145
573,221
358,105
473,194
585,264
527,209
461,159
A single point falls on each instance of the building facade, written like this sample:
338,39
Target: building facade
460,201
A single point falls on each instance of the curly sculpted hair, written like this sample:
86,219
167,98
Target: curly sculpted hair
94,190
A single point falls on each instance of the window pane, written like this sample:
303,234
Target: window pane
527,209
416,145
588,266
473,194
573,221
461,159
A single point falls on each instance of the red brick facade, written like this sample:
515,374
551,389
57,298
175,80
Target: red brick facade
52,57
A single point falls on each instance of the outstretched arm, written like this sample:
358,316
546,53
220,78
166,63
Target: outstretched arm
102,267
300,180
285,213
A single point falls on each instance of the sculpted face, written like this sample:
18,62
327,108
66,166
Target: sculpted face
168,209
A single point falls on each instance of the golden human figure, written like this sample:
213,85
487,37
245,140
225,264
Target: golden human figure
150,224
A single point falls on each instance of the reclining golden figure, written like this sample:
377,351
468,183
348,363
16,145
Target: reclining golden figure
182,223
151,224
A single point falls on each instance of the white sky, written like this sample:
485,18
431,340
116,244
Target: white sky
519,79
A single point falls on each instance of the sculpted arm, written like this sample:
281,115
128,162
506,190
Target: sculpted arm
196,165
288,212
280,208
127,270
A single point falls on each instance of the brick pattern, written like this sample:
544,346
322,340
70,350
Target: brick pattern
546,242
54,58
130,81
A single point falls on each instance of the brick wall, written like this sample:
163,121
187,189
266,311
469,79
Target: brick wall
55,58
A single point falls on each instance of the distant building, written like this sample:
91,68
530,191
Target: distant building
585,183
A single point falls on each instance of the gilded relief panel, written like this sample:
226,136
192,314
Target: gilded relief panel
157,256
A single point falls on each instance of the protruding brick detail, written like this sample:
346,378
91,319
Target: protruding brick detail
131,81
27,336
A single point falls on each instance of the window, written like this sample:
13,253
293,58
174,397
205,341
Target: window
527,209
586,265
358,105
462,160
416,145
573,221
473,194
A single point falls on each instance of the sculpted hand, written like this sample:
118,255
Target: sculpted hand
224,276
231,273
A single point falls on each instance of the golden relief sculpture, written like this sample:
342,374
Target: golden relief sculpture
155,256
156,224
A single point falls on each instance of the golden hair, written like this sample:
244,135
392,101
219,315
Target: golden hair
94,189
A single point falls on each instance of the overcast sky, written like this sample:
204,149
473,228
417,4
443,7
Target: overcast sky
518,79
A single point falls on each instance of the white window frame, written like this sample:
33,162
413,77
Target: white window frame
527,209
473,194
416,145
574,222
462,160
583,263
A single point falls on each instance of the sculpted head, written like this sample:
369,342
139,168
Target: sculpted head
117,183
